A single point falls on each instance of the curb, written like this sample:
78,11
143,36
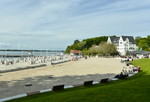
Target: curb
23,68
59,62
34,66
13,97
65,87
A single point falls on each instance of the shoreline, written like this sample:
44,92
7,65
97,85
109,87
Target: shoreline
24,66
31,62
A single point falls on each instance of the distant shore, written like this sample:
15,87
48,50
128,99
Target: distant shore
31,50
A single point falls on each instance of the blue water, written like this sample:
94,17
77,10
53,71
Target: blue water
34,53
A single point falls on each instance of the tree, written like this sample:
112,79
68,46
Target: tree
148,41
85,44
94,49
67,49
94,41
82,44
107,49
104,49
143,43
76,41
137,39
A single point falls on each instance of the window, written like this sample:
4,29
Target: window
120,42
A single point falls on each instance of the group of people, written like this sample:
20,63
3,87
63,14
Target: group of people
121,76
129,69
125,73
75,58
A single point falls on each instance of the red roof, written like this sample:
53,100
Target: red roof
75,51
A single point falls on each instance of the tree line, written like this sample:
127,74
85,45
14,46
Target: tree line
99,45
143,43
85,44
95,45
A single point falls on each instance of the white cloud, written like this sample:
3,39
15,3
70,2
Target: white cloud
56,23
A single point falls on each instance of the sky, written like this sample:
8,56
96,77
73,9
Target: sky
55,24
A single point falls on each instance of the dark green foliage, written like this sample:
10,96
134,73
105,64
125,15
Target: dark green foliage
85,44
148,40
76,41
95,41
143,43
137,39
73,47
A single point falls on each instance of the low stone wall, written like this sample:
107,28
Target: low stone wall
23,68
59,62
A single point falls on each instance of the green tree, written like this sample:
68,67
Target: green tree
82,44
67,49
94,49
137,39
148,41
143,43
76,41
85,44
94,41
104,49
107,49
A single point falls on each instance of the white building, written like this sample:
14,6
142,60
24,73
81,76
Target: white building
123,43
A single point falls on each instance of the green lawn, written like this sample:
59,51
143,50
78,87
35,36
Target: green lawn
133,89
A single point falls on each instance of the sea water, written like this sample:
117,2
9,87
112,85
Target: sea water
3,54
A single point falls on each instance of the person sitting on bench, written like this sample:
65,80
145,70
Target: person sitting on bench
136,69
121,76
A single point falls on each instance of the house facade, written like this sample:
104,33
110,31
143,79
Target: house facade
123,43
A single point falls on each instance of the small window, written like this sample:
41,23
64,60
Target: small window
120,42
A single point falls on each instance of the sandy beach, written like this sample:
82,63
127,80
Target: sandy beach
69,73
